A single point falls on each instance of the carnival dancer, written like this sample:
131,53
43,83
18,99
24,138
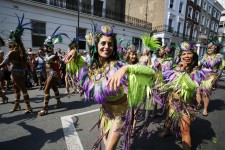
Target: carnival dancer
2,95
161,64
150,43
71,66
52,70
98,82
182,83
212,63
17,60
132,59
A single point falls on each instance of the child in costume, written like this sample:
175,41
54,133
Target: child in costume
17,60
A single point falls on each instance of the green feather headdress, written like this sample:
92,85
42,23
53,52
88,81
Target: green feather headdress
150,42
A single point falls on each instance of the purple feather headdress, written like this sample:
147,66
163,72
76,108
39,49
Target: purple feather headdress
106,30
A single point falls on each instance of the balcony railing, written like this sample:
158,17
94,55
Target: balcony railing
98,12
166,28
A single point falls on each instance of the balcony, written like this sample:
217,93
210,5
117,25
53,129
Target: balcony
96,11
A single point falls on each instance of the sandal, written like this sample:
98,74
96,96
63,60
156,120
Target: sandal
43,112
205,113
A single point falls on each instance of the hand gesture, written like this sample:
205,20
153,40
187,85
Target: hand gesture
114,80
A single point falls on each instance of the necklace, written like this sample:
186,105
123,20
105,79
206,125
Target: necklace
97,74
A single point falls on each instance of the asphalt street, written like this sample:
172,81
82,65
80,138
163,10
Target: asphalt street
31,132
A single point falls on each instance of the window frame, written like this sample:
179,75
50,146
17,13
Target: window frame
36,36
181,7
197,17
171,5
189,12
202,19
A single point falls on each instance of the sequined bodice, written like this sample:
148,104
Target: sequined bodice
93,81
163,65
211,62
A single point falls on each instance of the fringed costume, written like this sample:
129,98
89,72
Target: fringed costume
181,86
115,104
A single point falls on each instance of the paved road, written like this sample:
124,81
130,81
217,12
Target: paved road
32,132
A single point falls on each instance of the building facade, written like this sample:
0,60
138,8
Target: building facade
221,30
167,17
46,15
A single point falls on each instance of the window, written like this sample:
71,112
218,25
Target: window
178,27
205,5
214,13
212,25
137,42
187,30
216,27
195,33
190,11
207,23
72,4
38,34
218,15
180,7
171,3
98,8
196,16
170,25
209,9
203,19
82,41
199,2
221,24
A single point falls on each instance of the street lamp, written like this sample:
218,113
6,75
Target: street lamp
78,24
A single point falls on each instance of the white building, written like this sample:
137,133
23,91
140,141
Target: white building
221,30
46,15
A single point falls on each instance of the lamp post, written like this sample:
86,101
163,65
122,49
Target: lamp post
78,24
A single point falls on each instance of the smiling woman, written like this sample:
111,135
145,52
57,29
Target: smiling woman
104,81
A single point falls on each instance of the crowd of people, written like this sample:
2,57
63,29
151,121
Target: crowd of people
119,78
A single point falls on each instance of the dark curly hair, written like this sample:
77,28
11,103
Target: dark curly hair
94,52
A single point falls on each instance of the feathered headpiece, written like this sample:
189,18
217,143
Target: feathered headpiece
150,42
94,36
186,46
15,35
215,43
74,41
55,38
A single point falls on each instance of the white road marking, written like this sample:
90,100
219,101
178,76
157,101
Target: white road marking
71,136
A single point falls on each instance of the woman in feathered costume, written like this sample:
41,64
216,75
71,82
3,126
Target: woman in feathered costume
104,82
52,70
17,60
182,83
212,63
71,66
